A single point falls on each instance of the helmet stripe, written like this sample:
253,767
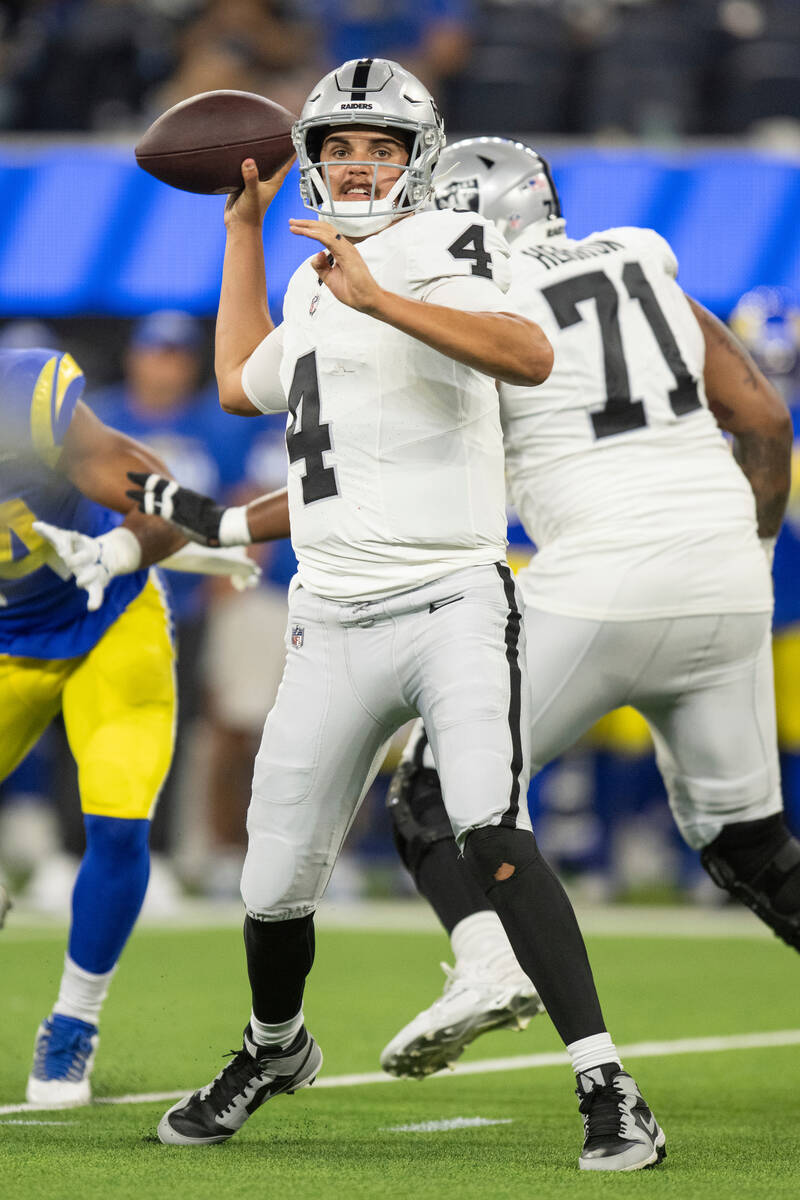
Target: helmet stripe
361,79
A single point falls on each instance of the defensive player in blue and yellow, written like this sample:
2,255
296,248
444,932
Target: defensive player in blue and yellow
106,663
767,320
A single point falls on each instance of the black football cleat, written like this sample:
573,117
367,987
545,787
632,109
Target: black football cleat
620,1132
254,1075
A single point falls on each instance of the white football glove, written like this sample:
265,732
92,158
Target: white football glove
93,560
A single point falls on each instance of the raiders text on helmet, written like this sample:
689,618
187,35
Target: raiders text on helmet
381,95
503,180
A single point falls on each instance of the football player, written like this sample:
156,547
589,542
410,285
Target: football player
767,321
650,587
97,648
386,361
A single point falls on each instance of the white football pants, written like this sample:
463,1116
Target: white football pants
704,686
452,652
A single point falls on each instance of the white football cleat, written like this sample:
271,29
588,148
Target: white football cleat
63,1057
477,997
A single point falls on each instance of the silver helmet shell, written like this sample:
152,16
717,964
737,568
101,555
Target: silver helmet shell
503,180
372,93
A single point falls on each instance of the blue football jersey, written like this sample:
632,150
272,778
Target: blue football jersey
786,570
43,614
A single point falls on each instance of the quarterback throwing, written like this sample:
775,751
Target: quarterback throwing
393,337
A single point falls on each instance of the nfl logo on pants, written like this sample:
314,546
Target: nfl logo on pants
298,634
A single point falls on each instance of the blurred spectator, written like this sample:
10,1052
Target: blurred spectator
85,64
248,45
431,38
518,75
162,402
653,69
27,335
759,71
642,73
230,645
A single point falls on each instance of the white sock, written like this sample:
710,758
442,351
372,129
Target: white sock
282,1034
82,993
479,938
592,1051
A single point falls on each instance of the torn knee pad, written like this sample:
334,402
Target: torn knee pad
496,855
758,862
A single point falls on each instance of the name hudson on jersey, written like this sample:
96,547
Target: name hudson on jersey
553,256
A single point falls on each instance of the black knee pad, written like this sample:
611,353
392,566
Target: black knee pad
495,854
415,804
758,862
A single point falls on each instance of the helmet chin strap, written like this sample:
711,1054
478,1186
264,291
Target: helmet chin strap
361,222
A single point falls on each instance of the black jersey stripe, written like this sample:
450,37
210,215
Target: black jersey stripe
509,817
360,79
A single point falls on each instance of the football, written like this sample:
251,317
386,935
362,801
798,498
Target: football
199,145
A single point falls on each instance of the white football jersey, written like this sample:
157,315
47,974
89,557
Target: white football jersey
395,450
615,464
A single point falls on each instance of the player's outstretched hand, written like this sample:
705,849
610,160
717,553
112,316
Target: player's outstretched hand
195,515
340,266
248,206
93,560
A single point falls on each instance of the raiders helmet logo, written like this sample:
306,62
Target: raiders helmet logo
461,195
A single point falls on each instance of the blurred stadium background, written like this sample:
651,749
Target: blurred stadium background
681,115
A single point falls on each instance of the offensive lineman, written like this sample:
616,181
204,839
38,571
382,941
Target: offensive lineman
649,586
386,360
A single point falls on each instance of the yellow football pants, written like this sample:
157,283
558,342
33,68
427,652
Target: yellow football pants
118,703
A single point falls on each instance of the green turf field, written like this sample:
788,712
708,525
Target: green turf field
180,1001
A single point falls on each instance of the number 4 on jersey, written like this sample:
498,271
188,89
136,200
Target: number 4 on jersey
310,441
470,245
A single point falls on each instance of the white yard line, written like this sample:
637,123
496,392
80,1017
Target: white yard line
524,1062
452,1123
413,916
33,1122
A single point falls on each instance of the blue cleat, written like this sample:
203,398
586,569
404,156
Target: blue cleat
63,1056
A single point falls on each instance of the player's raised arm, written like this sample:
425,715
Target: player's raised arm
746,405
243,319
504,345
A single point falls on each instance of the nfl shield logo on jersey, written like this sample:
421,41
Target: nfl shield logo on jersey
298,634
314,305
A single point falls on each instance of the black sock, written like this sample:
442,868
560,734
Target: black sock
279,956
540,924
444,880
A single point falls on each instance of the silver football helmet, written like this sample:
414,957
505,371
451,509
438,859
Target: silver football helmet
369,92
503,180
